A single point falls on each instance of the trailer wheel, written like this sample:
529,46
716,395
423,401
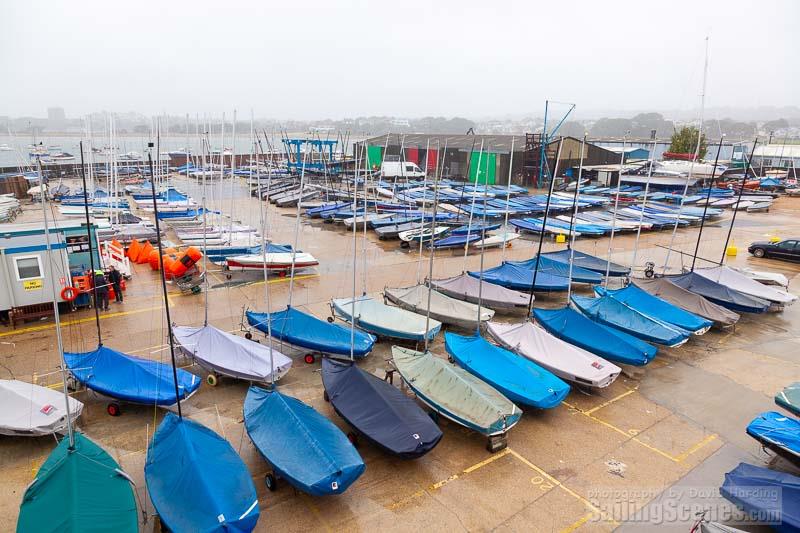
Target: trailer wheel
309,359
271,482
434,416
212,379
248,336
450,359
113,409
330,320
228,276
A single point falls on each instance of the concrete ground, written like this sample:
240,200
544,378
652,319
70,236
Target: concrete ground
599,461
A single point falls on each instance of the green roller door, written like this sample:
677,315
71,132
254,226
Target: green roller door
482,168
374,156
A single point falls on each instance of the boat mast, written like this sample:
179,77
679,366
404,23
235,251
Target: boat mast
483,249
574,216
708,199
355,260
616,208
425,187
739,199
91,253
436,176
164,286
472,207
651,163
56,315
297,224
233,175
264,242
508,200
205,248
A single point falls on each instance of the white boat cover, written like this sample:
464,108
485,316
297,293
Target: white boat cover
231,355
465,287
761,276
381,319
455,393
274,259
32,410
445,309
559,357
740,282
689,301
491,241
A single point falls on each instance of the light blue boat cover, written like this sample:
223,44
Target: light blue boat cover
609,343
720,294
548,265
519,379
650,305
307,331
515,277
612,313
777,430
588,262
774,496
129,378
196,480
303,447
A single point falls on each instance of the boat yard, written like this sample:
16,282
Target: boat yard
596,461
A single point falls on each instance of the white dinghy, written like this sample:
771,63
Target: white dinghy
32,410
443,308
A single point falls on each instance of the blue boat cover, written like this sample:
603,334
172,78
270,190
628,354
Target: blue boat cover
196,480
381,412
771,496
589,262
608,311
475,229
775,429
517,378
515,277
549,265
303,447
307,331
609,343
720,294
455,240
129,378
653,306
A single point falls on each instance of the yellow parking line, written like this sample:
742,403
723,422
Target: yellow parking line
609,402
696,447
578,523
66,323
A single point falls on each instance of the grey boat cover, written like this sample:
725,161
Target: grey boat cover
689,301
565,360
385,320
454,392
445,309
32,410
465,287
231,355
745,284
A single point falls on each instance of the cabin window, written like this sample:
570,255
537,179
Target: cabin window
28,267
410,168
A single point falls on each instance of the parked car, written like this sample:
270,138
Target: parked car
787,249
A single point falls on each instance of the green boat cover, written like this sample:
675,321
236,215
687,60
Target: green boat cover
78,491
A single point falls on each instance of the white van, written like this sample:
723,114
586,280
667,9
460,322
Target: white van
401,169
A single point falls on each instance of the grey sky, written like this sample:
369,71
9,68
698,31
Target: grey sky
320,59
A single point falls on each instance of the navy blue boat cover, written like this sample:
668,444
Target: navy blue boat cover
589,262
455,240
558,268
720,294
515,277
609,343
379,411
475,229
517,378
303,447
608,311
196,480
129,378
307,331
777,430
653,306
772,496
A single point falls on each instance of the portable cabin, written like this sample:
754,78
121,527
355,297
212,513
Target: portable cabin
23,260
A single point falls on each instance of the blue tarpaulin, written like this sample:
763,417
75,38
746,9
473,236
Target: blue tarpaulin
196,480
720,294
519,278
653,306
303,447
610,312
379,411
589,262
454,241
129,378
609,343
551,266
778,431
517,378
773,497
307,331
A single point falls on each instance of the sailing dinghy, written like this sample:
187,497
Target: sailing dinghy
128,378
778,432
693,303
550,266
746,285
275,261
33,410
589,262
650,305
719,293
443,308
380,412
519,278
226,354
467,288
789,398
456,394
196,480
303,447
384,320
609,343
496,241
566,361
517,378
775,496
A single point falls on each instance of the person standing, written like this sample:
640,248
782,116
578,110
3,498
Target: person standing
115,278
101,288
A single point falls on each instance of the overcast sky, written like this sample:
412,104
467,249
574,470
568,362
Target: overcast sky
331,59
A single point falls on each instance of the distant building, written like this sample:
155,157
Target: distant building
632,153
401,123
777,156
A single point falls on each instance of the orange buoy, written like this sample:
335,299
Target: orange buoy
144,254
185,261
133,250
153,259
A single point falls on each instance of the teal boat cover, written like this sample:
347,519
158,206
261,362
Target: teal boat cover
789,398
196,480
653,306
519,278
303,447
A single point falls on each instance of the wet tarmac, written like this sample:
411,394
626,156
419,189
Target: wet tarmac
596,461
